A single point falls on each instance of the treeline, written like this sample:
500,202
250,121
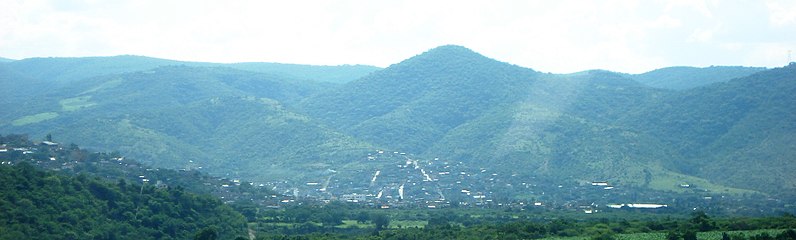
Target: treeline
327,222
70,159
35,204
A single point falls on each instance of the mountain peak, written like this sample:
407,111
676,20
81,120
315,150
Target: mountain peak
446,55
450,50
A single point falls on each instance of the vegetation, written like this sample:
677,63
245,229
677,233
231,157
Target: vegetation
278,123
682,78
96,195
297,223
43,205
34,118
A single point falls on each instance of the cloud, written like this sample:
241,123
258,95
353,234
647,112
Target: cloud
556,36
783,13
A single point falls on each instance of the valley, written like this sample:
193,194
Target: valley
471,131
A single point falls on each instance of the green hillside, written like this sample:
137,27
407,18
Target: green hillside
455,103
67,70
227,120
681,78
333,74
16,86
44,205
740,128
412,104
281,121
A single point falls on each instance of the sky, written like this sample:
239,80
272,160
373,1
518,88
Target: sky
561,36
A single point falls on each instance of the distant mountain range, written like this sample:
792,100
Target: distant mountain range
727,127
681,78
69,69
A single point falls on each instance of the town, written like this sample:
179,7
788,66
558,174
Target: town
391,179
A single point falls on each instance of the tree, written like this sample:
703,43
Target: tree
362,217
206,234
672,235
689,235
380,220
702,222
604,236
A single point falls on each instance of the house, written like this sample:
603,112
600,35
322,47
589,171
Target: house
646,205
355,198
599,183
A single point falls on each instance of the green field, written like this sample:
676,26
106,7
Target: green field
408,224
670,181
714,235
34,118
76,103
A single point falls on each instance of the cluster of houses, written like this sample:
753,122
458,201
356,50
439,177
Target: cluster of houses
389,180
398,180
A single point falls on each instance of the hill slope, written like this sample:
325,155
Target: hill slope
449,102
333,74
411,104
223,119
455,103
743,127
65,70
681,78
43,205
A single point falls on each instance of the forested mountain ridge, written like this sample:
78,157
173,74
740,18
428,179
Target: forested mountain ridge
412,104
448,102
65,70
681,78
458,104
455,103
743,127
223,119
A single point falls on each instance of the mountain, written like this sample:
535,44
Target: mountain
225,120
17,87
680,78
449,102
458,104
565,126
453,102
66,70
737,133
411,104
332,74
5,60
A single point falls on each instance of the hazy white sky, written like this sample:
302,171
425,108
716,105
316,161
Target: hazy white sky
550,36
